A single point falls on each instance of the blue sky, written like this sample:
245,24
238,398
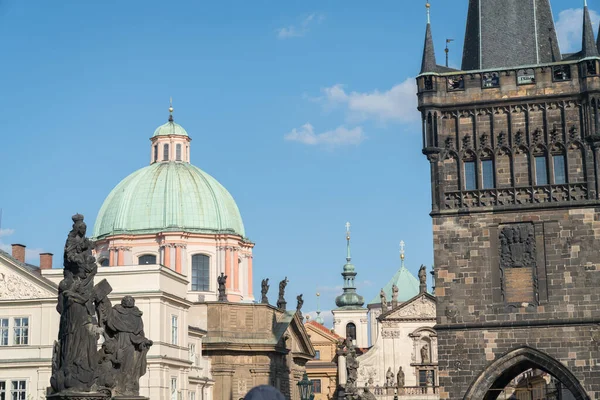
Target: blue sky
304,111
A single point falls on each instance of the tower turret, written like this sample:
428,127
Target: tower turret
349,298
170,142
588,47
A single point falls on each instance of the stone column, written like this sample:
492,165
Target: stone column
120,254
111,257
342,378
167,255
250,275
178,258
228,268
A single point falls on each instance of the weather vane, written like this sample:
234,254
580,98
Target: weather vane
348,230
447,50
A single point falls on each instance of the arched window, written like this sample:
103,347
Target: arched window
147,259
351,331
200,273
178,152
487,171
541,167
105,262
559,167
166,152
155,153
470,172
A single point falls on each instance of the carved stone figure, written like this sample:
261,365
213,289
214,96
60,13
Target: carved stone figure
123,327
384,307
299,305
367,395
75,356
425,354
394,296
264,289
400,378
77,365
281,303
389,378
222,280
351,368
517,246
429,378
423,279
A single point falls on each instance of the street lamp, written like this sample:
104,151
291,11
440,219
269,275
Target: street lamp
305,387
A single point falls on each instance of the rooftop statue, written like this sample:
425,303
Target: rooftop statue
221,280
281,303
299,305
264,289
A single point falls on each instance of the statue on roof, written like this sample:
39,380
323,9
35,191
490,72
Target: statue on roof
400,378
384,307
281,303
389,378
264,289
222,280
351,368
423,279
394,296
299,305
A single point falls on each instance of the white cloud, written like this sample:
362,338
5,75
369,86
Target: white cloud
340,136
301,29
569,28
398,104
6,232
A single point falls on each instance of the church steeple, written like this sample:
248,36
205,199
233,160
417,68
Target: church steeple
349,299
509,33
428,63
588,47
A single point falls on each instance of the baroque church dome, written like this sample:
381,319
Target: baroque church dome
169,195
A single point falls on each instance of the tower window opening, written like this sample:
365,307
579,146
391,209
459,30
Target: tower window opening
105,262
560,176
178,152
541,170
166,152
456,83
470,175
561,73
487,172
490,80
351,331
200,273
147,259
591,67
155,153
526,76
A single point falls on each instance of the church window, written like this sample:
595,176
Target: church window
560,176
166,152
192,351
200,273
21,331
173,388
155,153
541,170
470,176
18,390
591,67
422,377
174,330
192,395
2,390
561,73
178,152
317,354
316,385
428,83
487,169
105,262
147,259
351,331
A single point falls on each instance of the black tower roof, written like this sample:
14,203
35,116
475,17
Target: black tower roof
428,64
509,33
588,47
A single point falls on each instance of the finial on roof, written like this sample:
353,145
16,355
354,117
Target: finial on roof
319,319
170,109
402,252
428,7
348,257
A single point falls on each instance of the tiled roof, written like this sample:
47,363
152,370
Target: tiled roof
323,329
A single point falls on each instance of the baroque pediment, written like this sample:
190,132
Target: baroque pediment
420,308
15,285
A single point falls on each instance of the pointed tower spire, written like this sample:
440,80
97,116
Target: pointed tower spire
428,64
588,47
492,29
349,299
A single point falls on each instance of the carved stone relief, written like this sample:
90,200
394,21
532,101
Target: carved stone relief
421,308
16,287
518,263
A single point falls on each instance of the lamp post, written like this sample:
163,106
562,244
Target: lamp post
305,387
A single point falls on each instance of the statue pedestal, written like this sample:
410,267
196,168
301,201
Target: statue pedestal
282,305
78,396
390,390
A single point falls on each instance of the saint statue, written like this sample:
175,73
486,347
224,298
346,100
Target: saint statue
423,275
281,303
425,354
264,289
221,280
351,368
384,307
400,378
394,296
299,305
389,378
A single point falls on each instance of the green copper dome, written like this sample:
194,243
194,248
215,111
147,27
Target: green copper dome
168,196
170,128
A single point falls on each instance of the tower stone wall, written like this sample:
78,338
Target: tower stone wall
514,178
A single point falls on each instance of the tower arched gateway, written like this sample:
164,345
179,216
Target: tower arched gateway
513,144
174,214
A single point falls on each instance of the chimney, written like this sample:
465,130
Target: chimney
46,260
18,252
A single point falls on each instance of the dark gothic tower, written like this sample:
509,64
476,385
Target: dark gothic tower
513,143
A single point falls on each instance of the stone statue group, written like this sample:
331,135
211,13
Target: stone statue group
391,382
86,315
281,303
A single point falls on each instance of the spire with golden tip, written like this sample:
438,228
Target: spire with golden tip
428,64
